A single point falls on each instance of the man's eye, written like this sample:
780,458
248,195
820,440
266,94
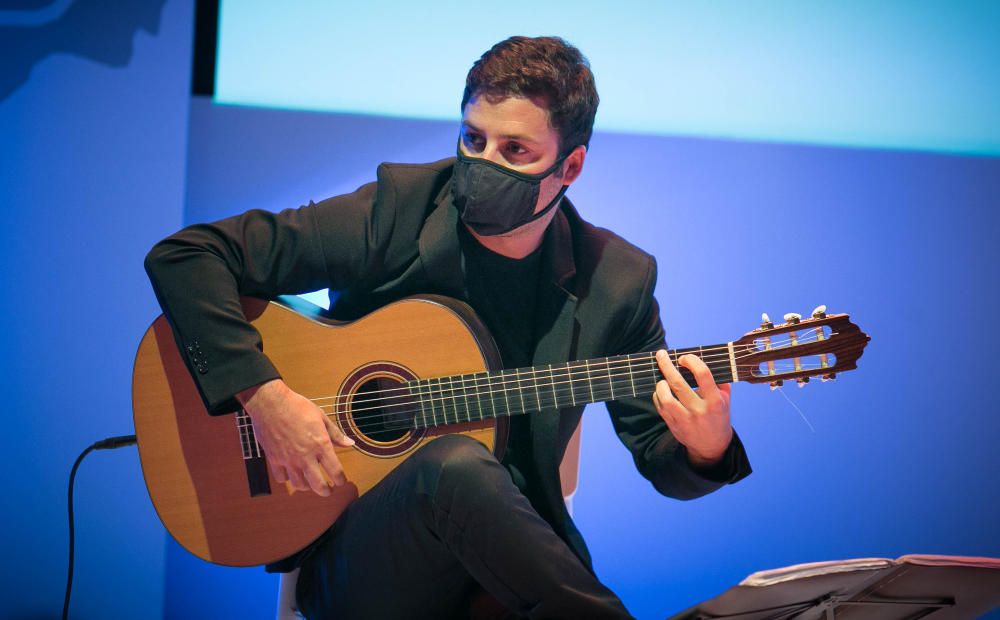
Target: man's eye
474,142
516,149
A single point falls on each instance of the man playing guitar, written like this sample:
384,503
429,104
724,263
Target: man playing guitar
490,227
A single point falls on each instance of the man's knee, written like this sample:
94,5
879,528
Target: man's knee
454,462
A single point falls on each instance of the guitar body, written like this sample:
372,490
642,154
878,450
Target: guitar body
205,474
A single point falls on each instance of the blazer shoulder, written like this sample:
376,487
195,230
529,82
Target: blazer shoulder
415,189
608,254
407,175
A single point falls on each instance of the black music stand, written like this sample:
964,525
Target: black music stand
914,586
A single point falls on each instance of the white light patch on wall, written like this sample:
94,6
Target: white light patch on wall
888,74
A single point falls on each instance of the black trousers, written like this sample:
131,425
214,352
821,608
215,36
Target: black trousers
422,542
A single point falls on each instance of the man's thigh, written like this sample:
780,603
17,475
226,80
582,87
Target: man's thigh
381,558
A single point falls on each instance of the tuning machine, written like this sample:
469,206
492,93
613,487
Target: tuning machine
765,321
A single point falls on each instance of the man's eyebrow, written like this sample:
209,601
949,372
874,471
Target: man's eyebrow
508,136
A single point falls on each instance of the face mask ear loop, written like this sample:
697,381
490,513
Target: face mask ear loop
549,206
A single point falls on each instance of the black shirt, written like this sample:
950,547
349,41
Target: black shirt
503,292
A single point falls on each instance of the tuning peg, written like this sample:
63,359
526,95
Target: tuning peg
777,383
802,381
819,312
830,377
792,318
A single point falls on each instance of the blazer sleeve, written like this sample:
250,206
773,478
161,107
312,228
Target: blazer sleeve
199,274
658,455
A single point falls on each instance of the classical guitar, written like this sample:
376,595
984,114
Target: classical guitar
394,380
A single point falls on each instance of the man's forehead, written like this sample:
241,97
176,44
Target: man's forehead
509,117
506,134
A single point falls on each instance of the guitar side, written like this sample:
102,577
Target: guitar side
193,462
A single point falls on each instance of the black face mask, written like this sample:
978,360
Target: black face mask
494,200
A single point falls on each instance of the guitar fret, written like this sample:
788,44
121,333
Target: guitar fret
538,393
552,382
611,381
569,382
590,381
455,393
420,401
426,390
520,391
631,378
428,385
443,397
436,394
506,399
433,421
454,399
477,397
465,398
469,406
493,406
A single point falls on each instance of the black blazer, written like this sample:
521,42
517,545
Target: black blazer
398,237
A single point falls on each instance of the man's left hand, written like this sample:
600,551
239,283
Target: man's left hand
699,420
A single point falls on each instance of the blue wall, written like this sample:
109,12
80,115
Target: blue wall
99,161
93,127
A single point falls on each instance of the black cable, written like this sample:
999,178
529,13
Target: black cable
105,444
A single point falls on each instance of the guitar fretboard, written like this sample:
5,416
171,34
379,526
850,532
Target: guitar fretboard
465,398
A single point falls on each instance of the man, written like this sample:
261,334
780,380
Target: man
492,228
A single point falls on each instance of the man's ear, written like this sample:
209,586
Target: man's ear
573,165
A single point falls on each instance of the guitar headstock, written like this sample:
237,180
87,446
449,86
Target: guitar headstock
822,345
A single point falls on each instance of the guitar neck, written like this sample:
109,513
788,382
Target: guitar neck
465,398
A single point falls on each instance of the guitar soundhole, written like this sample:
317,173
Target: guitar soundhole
377,410
382,409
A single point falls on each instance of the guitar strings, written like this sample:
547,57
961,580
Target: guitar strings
401,431
750,349
502,397
497,405
513,383
507,387
507,378
648,371
508,375
641,369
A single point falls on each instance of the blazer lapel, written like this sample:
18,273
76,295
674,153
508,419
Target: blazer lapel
556,309
556,329
440,253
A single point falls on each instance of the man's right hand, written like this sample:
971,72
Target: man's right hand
297,436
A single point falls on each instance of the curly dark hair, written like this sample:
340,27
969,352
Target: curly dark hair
544,67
